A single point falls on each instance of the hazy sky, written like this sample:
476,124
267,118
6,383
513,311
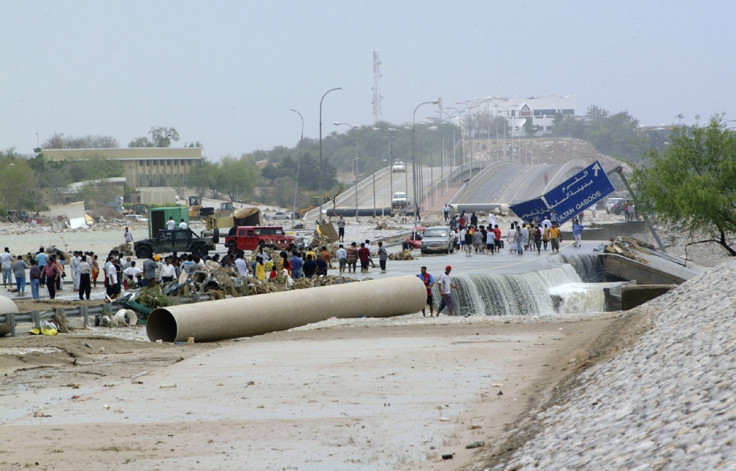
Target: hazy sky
226,73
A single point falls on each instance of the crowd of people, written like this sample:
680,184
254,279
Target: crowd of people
472,237
122,273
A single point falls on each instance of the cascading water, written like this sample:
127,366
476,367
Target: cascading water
588,266
558,290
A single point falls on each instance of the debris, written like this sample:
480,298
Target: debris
472,445
402,255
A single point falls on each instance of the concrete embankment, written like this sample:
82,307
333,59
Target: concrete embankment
666,402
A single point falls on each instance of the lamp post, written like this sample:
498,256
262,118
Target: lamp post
390,161
356,178
319,178
414,151
496,100
298,160
353,126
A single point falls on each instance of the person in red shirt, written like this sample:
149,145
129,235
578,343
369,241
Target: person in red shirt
499,242
428,281
365,257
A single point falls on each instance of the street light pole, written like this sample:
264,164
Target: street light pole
356,178
298,161
390,161
353,126
319,178
414,151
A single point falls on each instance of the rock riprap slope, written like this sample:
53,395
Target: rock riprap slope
667,403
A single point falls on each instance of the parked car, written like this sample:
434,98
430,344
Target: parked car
438,239
249,237
398,166
612,202
177,240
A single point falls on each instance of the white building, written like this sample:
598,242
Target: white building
541,110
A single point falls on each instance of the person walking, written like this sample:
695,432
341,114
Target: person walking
341,228
491,240
382,257
511,238
111,274
149,270
127,237
19,271
469,241
297,265
577,232
325,256
61,263
554,236
446,212
545,236
497,240
51,272
35,275
342,258
446,287
524,234
478,241
352,253
85,278
6,261
74,262
428,281
537,231
364,254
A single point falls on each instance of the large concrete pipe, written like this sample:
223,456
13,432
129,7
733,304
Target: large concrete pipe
255,315
7,306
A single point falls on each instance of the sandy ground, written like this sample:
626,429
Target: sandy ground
357,394
360,394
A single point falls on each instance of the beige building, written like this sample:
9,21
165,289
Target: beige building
142,166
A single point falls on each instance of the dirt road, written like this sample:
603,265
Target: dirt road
353,394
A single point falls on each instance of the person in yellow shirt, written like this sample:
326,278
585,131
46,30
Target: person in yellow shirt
554,235
260,269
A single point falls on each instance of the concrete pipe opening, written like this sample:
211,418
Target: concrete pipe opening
7,306
255,315
161,326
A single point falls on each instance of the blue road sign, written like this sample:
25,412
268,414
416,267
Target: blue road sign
579,192
530,210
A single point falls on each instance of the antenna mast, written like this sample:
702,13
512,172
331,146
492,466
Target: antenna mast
376,92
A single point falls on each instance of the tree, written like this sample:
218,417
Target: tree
60,141
160,137
202,177
237,177
691,183
18,185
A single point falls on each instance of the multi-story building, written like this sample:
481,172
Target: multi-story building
541,110
142,166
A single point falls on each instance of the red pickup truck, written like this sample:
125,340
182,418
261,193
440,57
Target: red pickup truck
248,237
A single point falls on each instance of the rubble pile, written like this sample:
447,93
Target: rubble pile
402,255
126,250
628,247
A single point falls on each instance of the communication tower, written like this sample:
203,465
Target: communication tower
376,93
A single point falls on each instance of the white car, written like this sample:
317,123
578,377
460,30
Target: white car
398,166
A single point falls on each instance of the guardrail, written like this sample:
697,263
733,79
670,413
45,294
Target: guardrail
12,319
